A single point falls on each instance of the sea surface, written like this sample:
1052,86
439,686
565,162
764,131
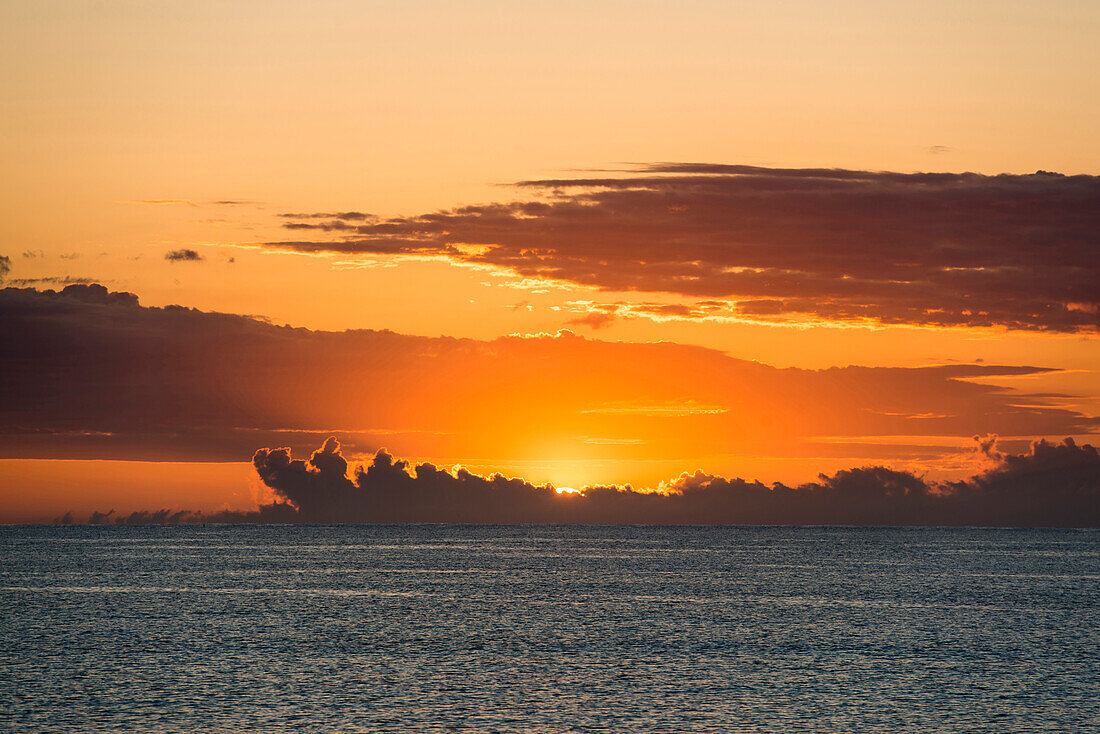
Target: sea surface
451,628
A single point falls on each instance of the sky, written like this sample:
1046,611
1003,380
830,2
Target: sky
579,244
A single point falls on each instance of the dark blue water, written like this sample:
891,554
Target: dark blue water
548,629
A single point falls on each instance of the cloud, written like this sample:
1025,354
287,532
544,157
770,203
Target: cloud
89,373
930,249
273,513
1050,485
1045,486
319,486
5,266
343,216
387,490
95,293
184,255
54,280
594,319
184,202
597,314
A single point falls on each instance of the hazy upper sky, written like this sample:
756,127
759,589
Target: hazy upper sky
496,169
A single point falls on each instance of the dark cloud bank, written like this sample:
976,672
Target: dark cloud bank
1052,485
941,249
88,373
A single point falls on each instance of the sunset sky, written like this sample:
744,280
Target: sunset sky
575,243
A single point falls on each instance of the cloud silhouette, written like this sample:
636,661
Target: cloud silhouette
184,255
319,488
54,280
1042,487
386,490
277,512
936,249
5,266
1050,485
184,202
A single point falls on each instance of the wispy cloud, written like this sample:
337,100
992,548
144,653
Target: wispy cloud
184,255
183,202
55,280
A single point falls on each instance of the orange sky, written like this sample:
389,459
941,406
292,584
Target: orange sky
129,130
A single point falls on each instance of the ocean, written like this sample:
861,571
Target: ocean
460,628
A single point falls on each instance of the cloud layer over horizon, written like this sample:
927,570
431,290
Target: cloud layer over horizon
90,373
778,245
1049,485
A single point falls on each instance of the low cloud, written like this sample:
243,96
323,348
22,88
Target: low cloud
321,485
5,266
273,513
771,244
184,255
1056,485
1049,485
